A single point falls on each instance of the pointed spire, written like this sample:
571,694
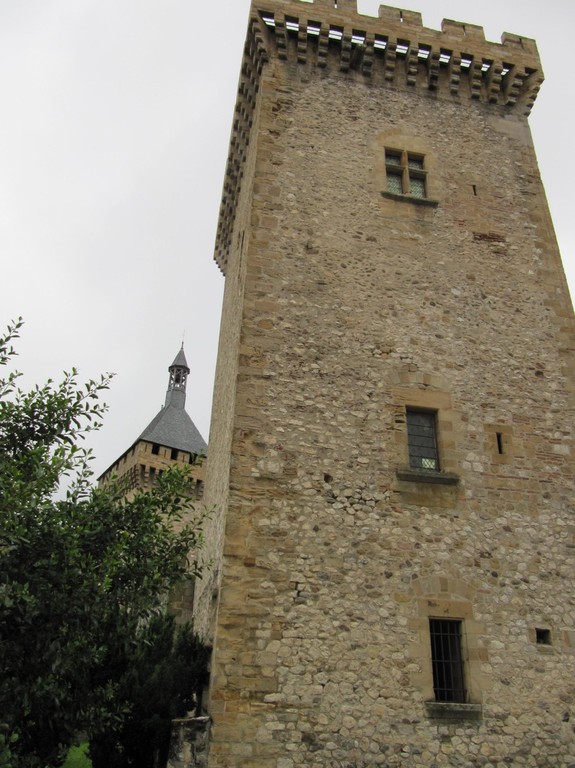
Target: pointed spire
180,360
179,370
172,426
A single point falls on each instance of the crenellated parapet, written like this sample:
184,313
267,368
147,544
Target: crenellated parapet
455,61
393,50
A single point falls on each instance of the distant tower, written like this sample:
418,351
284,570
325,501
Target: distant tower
391,451
170,438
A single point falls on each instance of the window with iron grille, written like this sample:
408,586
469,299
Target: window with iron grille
405,172
447,660
422,440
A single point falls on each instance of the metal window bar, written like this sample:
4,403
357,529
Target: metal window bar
422,441
446,660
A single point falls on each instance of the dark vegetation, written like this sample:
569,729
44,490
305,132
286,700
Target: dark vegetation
86,646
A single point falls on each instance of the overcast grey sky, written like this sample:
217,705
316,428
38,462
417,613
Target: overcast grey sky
115,120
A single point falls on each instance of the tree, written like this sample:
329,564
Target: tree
80,577
161,676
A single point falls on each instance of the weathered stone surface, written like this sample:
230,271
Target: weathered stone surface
344,306
189,743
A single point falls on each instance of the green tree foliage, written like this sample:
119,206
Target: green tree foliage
78,757
80,577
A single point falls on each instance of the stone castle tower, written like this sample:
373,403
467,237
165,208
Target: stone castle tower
391,446
170,438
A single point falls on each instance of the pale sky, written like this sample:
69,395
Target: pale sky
115,120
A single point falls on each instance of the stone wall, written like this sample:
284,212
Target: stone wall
355,305
241,168
137,470
139,467
189,743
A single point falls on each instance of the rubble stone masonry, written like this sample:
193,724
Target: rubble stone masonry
346,303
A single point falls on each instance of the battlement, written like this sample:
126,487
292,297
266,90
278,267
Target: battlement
456,61
392,50
402,20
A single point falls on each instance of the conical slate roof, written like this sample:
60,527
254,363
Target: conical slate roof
172,426
180,360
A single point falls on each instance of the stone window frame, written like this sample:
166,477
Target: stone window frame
394,143
400,164
454,610
442,597
438,402
547,646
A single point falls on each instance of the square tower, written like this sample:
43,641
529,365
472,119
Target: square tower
391,443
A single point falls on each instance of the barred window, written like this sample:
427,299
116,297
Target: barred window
422,440
405,172
447,660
